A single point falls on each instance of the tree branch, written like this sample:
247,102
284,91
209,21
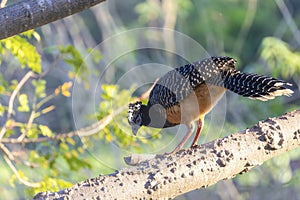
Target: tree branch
165,177
29,14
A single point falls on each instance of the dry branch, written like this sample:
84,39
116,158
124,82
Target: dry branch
29,14
165,177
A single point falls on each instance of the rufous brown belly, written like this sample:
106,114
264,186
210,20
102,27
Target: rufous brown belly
196,105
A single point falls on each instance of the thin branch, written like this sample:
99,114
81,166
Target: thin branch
45,100
249,18
167,176
12,99
8,157
170,9
27,76
37,140
6,151
28,126
289,19
13,168
3,3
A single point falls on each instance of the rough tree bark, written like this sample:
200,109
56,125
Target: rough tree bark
165,177
29,14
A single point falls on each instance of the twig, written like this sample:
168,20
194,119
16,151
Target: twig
16,91
13,168
6,151
45,100
37,140
28,126
249,18
12,99
289,20
3,3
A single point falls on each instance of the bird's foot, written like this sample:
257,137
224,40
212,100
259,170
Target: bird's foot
193,146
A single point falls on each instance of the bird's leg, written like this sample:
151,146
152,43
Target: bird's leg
199,129
186,137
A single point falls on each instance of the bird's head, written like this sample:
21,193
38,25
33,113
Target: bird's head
135,116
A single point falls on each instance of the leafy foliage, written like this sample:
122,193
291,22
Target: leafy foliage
49,184
46,157
73,57
280,58
22,50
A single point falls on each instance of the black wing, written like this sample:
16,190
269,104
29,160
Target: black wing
177,84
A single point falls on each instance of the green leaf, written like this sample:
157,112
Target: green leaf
45,130
74,58
74,162
96,55
2,109
3,84
109,91
33,132
40,86
31,33
279,57
13,84
148,11
23,100
49,184
71,141
64,146
34,157
1,53
10,126
24,51
12,180
65,89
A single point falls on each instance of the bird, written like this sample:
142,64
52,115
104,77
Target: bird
187,93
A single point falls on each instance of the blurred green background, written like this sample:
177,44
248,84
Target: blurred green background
90,65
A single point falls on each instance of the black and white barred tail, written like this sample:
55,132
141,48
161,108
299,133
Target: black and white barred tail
256,86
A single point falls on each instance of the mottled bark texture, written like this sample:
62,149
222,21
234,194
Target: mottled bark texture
166,177
29,14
